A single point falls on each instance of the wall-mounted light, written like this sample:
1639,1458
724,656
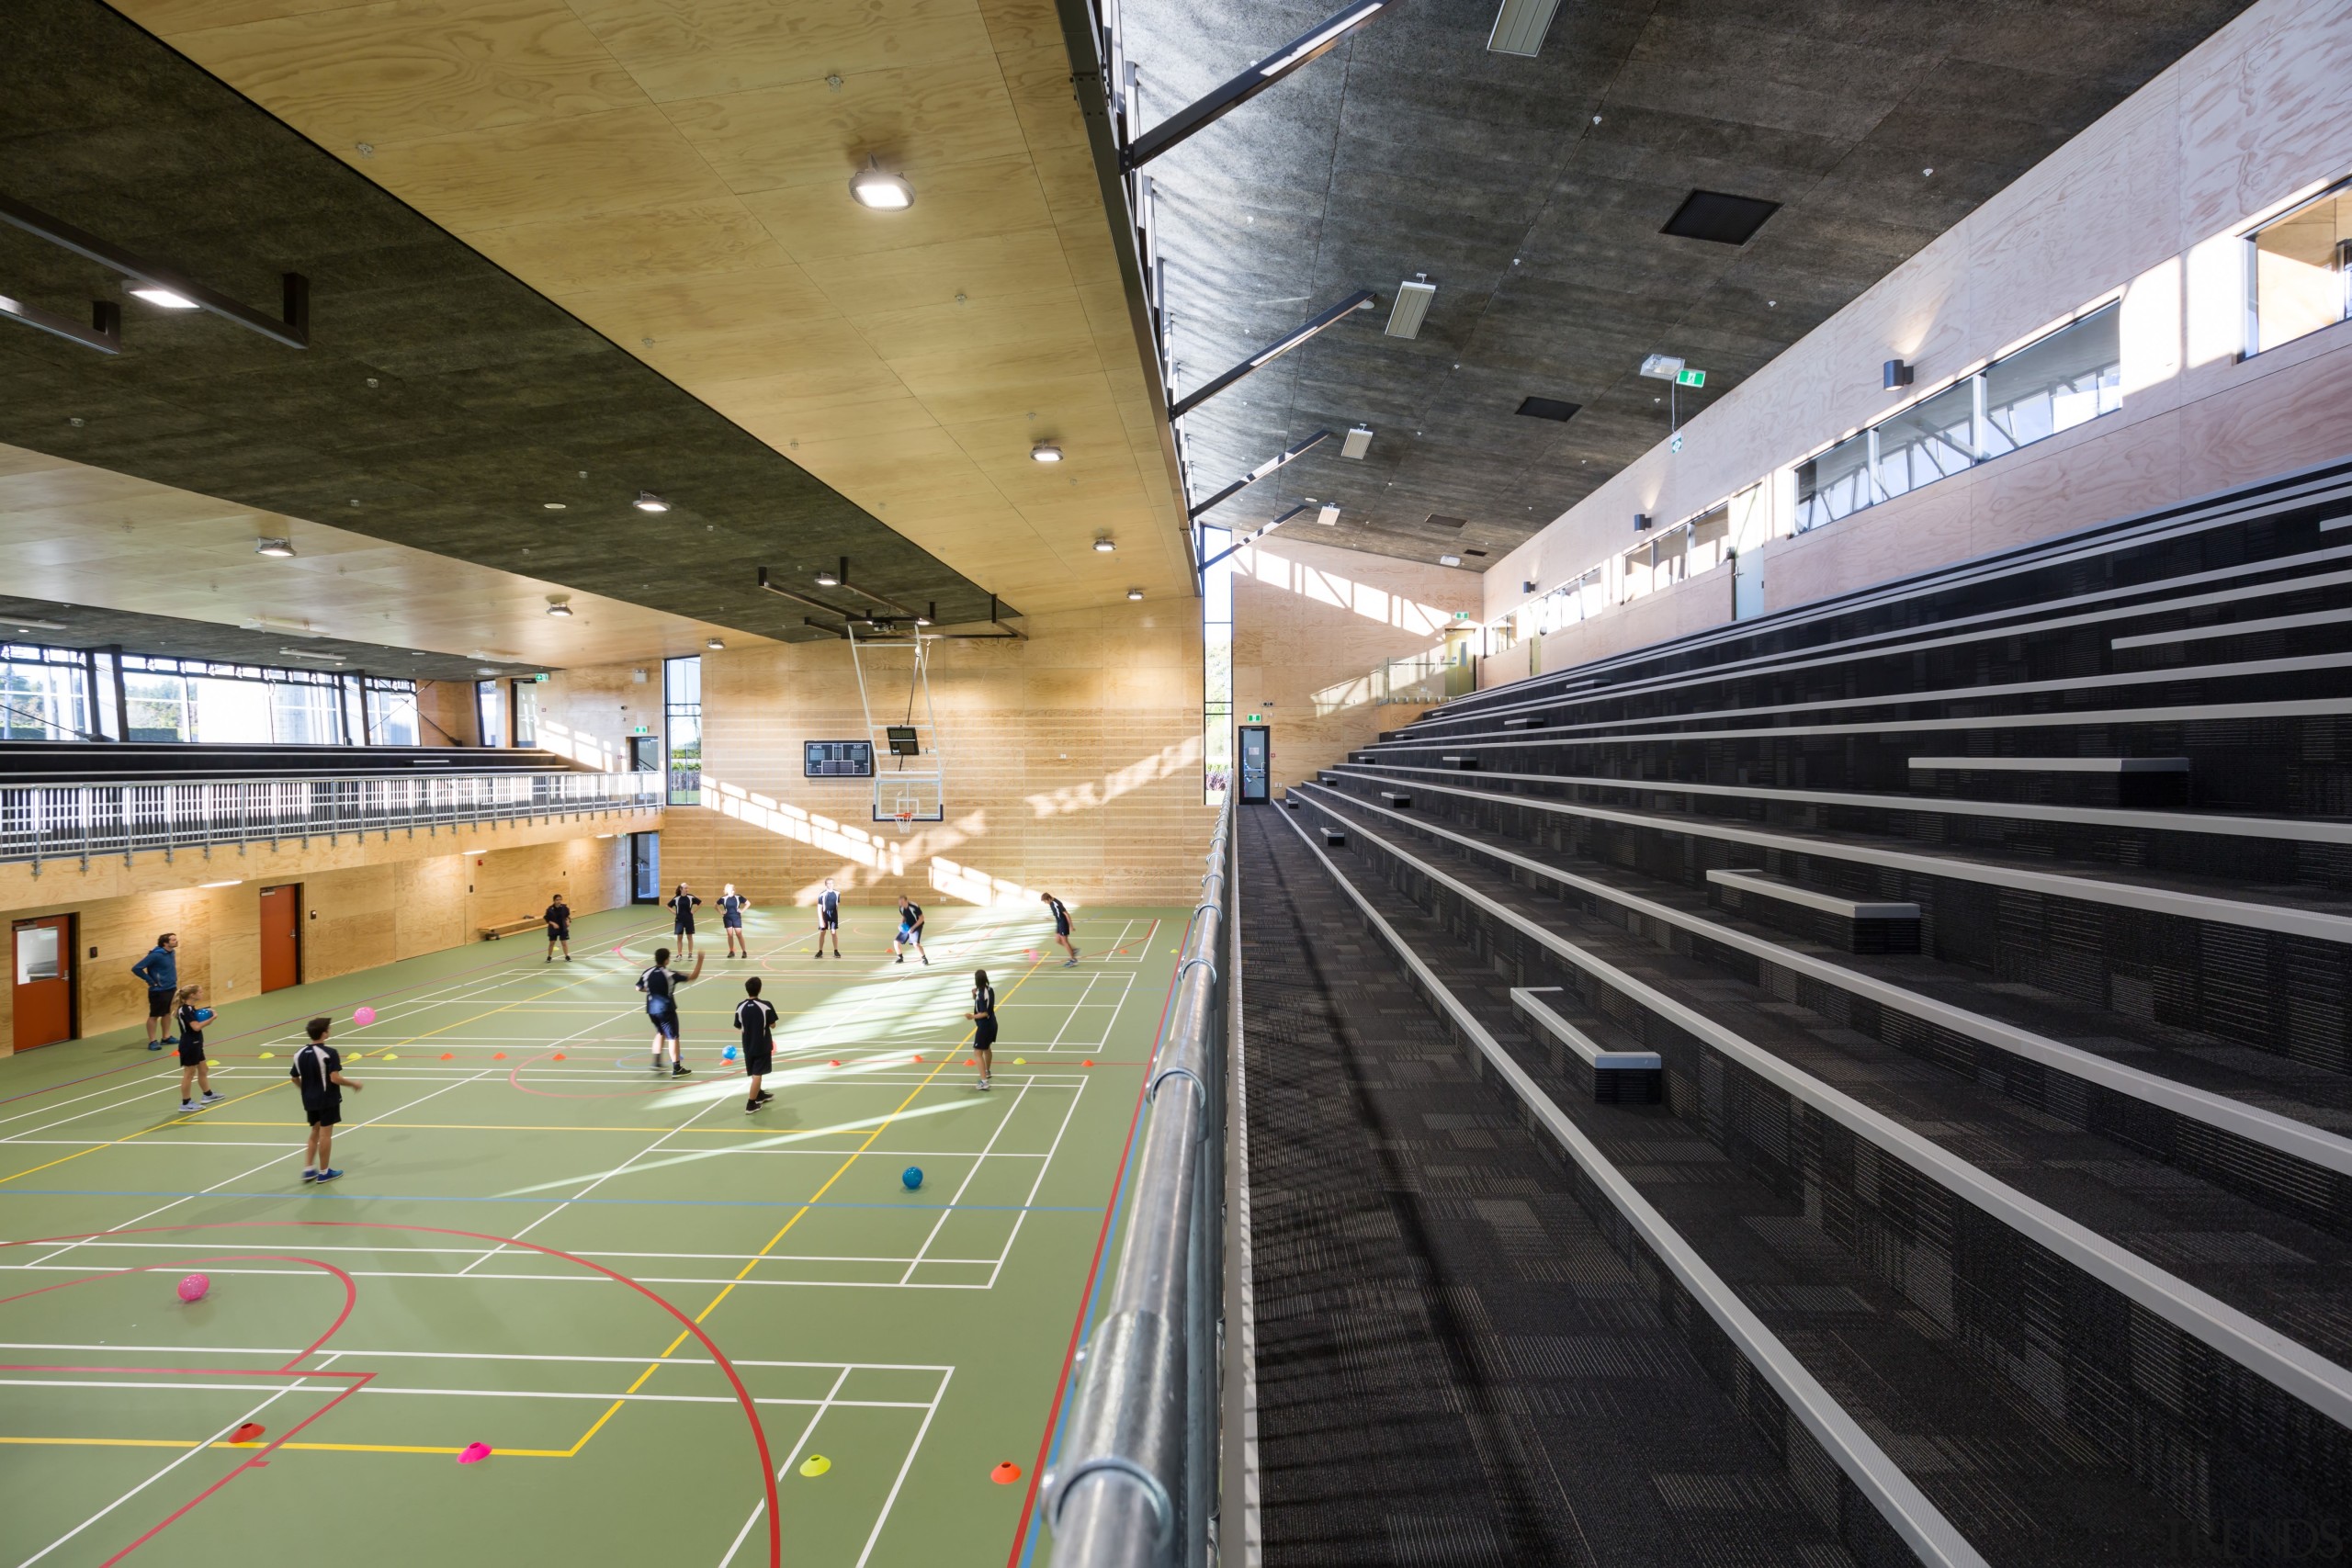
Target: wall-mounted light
1045,452
876,187
647,501
279,548
1527,586
1104,544
1894,374
559,608
1641,522
1135,593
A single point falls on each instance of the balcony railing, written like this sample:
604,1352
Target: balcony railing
45,822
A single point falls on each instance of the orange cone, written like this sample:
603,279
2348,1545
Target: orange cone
498,1055
558,1056
448,1057
1005,1474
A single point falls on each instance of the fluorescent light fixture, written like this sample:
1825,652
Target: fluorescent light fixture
164,299
1319,39
1358,441
489,653
1329,515
1449,560
876,187
647,501
1045,452
713,644
1412,306
1135,593
39,626
316,658
280,625
1519,27
1662,367
233,882
279,548
486,670
1104,544
552,505
559,608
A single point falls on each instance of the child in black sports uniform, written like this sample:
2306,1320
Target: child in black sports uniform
829,919
756,1019
660,985
1061,927
318,1072
983,1017
682,924
731,915
194,1069
559,920
910,930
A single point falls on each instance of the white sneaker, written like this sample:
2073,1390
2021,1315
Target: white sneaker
210,1098
187,1105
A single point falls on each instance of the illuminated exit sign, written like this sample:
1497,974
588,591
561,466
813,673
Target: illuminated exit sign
1690,378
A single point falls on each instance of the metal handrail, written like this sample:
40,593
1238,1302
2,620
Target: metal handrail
45,822
1136,1483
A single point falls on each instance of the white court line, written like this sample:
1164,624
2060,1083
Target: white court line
1005,1252
210,1386
785,1468
938,1225
641,1279
904,1465
683,1360
270,1143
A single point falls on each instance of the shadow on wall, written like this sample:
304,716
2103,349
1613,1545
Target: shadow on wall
1342,592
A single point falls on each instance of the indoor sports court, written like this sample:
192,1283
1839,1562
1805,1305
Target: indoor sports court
684,1331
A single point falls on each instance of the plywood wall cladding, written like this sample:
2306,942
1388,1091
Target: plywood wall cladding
1073,764
675,172
353,917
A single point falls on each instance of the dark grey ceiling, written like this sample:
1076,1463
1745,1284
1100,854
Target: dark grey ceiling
87,626
487,400
1533,193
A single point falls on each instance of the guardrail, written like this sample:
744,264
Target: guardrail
1136,1485
44,822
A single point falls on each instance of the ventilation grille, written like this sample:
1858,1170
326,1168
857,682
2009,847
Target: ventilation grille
1548,407
1725,219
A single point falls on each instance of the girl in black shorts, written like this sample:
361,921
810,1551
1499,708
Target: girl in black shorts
682,925
983,1017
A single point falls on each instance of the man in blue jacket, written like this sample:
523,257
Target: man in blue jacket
160,970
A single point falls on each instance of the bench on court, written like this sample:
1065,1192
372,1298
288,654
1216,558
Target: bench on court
511,928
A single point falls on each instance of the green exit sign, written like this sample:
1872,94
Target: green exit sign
1257,719
1690,378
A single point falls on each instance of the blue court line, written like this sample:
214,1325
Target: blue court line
345,1195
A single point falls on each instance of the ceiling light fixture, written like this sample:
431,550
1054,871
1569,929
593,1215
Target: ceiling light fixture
315,657
828,578
280,548
1134,594
1412,306
487,669
233,882
713,644
1104,544
551,506
1519,28
1045,452
165,299
874,187
280,625
39,626
1356,443
559,608
1449,560
1329,515
647,501
1662,367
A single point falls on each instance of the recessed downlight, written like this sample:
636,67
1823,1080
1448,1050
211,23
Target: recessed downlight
278,548
874,187
164,299
1045,452
647,501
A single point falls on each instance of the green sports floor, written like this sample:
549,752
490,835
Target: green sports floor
690,1336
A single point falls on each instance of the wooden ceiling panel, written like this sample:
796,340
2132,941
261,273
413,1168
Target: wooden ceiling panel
674,173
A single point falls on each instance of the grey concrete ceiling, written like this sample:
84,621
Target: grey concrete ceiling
1532,191
441,402
85,625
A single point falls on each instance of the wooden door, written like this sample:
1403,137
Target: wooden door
281,936
44,995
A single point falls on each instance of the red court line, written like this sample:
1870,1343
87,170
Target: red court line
350,1289
1086,1296
718,1357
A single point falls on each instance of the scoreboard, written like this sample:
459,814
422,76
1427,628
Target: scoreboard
837,759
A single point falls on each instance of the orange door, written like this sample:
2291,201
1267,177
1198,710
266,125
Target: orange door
44,1000
281,937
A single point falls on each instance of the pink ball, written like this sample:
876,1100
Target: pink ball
363,1017
192,1289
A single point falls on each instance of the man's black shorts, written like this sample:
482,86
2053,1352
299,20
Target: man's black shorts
760,1062
159,1003
322,1113
827,922
559,933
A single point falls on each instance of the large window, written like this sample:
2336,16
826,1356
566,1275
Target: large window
1216,666
490,713
682,711
391,713
2299,271
527,713
44,694
2066,379
235,704
1698,544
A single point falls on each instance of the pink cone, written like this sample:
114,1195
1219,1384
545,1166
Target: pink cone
192,1289
475,1453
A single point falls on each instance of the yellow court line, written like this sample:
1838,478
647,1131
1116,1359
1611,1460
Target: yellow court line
758,1257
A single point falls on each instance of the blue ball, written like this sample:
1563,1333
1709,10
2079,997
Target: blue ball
727,1055
912,1177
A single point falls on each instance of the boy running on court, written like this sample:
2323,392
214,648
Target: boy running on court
910,930
660,985
983,1017
160,971
194,1069
1061,927
731,915
756,1019
559,920
682,925
318,1072
829,919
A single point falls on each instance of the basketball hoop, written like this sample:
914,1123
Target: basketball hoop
906,818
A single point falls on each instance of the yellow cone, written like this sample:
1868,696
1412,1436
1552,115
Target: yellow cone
1020,1061
386,1056
269,1056
815,1465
